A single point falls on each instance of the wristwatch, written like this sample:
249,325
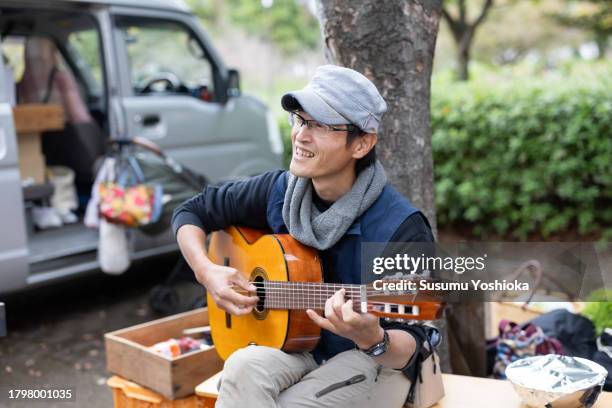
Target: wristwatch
379,348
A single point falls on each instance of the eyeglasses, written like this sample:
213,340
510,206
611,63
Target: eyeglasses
296,119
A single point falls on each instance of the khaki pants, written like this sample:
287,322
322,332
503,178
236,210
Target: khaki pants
262,377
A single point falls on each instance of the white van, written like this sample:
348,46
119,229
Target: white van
110,70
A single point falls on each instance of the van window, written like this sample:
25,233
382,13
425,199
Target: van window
165,58
72,45
84,45
13,53
31,60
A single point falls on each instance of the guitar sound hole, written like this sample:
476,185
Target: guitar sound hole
261,294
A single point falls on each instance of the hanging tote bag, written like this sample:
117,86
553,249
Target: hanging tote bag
129,201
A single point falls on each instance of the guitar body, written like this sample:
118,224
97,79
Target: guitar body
260,257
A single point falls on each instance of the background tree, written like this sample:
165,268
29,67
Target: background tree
210,11
591,15
463,31
392,43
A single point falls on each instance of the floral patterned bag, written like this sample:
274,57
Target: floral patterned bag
130,201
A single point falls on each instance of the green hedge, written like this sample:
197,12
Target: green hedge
285,129
599,310
524,161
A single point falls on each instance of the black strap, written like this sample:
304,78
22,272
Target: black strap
422,334
49,89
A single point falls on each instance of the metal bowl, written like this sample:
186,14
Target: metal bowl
555,381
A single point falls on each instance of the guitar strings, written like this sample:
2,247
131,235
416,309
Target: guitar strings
317,287
294,292
283,300
300,295
308,292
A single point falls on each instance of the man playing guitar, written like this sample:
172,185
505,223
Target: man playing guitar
334,197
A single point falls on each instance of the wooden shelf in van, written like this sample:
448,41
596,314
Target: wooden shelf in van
38,117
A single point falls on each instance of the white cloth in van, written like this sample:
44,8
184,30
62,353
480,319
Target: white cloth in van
113,249
64,196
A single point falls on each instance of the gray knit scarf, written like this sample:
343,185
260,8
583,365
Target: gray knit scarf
322,230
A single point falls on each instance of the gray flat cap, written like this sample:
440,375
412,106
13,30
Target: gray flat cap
339,96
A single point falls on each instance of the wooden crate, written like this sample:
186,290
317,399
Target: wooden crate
127,394
128,355
30,120
207,392
31,159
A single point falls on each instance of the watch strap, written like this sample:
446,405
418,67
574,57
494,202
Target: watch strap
378,348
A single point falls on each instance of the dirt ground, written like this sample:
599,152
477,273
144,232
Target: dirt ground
56,334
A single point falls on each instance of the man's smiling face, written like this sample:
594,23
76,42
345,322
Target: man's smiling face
318,152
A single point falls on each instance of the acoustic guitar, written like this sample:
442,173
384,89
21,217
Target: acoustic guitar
288,278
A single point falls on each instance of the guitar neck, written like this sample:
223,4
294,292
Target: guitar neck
306,295
300,287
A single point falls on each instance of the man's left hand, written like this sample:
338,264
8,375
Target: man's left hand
340,318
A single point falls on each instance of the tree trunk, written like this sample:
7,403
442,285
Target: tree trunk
601,39
463,34
392,42
463,73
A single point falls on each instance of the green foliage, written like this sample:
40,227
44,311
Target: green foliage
285,129
288,24
523,158
591,15
599,310
86,44
207,10
595,15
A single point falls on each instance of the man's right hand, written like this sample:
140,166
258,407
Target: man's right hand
219,281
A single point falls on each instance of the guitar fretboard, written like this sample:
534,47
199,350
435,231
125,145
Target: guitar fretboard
304,295
309,295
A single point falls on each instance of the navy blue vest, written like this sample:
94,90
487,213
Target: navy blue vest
342,262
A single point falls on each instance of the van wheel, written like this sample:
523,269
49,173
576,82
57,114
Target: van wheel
164,299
